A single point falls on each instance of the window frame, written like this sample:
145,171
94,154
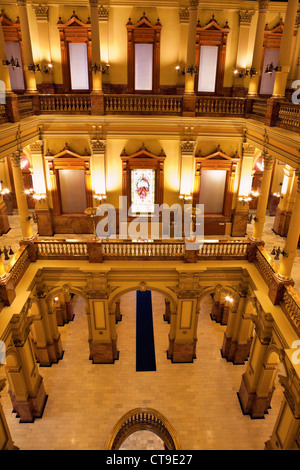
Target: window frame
143,32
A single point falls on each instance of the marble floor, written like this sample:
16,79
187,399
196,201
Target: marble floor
270,238
86,400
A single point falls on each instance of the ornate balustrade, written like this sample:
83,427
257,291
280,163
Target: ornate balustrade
65,104
143,104
61,249
95,250
272,112
220,106
3,116
289,116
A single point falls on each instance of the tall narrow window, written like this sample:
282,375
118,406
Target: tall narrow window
143,67
208,69
79,66
16,74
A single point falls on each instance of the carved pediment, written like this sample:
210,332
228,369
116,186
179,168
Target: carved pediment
218,155
213,25
143,23
142,153
74,21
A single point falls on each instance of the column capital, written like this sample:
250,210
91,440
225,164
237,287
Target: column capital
248,148
263,5
41,11
187,147
15,159
194,4
246,17
268,161
184,15
98,146
36,147
103,12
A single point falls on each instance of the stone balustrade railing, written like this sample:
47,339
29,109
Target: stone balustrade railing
282,114
95,250
64,104
289,116
220,106
147,104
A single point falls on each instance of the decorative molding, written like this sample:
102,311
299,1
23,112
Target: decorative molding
15,159
36,147
41,11
187,147
98,146
103,12
263,5
268,161
184,15
246,17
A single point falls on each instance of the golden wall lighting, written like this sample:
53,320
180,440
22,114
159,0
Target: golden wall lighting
181,71
185,197
100,68
245,199
229,299
100,197
14,62
241,73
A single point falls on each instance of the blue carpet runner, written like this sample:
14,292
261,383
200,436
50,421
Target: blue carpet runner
145,350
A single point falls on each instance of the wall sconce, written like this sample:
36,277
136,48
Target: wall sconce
100,197
270,68
186,197
244,199
4,191
229,299
37,196
7,252
277,195
191,69
100,68
254,194
245,72
180,70
13,62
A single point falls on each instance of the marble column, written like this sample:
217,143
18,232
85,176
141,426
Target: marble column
41,14
292,239
260,216
258,47
11,99
187,166
97,98
283,213
241,211
286,432
254,393
241,83
43,212
295,72
238,335
6,442
189,97
26,390
284,59
27,48
102,329
183,329
24,217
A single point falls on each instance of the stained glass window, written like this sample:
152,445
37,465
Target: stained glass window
142,191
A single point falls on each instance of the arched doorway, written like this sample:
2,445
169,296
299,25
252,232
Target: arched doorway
143,419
